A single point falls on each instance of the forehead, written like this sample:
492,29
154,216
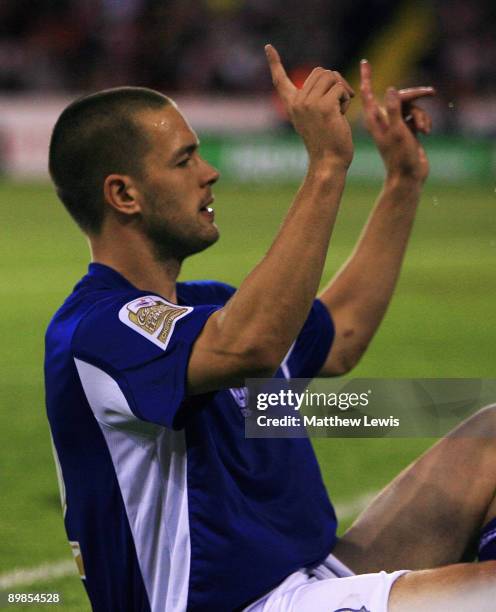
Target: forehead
167,129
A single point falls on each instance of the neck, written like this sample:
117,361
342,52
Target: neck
133,256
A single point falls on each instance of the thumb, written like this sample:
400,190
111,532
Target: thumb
393,106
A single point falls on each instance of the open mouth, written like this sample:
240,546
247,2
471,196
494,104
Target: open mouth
206,209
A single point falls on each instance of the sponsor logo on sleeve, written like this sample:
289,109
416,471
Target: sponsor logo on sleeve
153,317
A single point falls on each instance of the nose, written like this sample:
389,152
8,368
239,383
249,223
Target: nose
210,175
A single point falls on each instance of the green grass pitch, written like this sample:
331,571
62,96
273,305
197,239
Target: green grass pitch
441,324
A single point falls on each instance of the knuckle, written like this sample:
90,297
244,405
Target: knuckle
316,71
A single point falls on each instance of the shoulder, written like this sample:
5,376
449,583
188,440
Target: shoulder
133,327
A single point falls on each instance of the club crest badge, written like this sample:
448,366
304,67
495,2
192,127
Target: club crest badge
153,317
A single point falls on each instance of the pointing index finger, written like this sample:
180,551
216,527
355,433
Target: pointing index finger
282,82
366,82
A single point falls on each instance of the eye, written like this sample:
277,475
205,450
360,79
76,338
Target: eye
184,162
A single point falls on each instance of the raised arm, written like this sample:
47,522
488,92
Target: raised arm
360,293
253,332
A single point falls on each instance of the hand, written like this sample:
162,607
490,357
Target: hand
317,110
394,126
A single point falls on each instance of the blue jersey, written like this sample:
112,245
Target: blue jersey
166,505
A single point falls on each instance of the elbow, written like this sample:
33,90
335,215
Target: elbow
345,353
255,357
351,341
259,360
345,361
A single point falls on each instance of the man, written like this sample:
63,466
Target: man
167,506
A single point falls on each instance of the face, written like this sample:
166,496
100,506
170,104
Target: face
176,188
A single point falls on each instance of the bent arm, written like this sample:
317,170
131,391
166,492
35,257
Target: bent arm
360,294
251,334
361,291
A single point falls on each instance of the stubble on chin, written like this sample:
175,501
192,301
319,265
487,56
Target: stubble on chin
172,242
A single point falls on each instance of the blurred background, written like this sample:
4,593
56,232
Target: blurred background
208,55
214,46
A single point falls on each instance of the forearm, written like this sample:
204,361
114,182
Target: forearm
360,293
252,333
273,301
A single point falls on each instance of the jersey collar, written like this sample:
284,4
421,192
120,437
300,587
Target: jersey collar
108,277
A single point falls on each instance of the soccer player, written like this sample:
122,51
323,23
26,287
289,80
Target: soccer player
166,505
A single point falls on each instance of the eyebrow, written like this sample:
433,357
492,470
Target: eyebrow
186,149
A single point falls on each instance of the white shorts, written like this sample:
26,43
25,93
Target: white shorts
329,587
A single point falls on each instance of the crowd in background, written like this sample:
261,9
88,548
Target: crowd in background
199,46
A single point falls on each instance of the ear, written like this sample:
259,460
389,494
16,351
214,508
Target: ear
120,192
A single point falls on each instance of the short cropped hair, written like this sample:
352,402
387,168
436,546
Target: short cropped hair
95,136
